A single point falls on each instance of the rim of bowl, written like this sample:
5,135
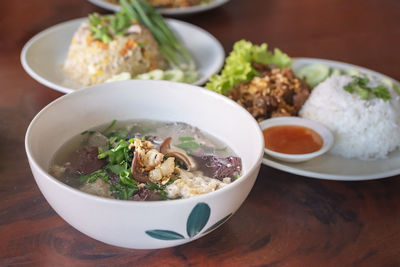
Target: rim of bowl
322,130
140,203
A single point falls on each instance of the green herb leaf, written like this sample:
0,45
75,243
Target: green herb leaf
87,132
126,178
362,91
362,81
94,19
119,23
109,126
117,168
119,154
381,91
122,191
92,177
349,88
119,134
99,28
360,85
188,146
238,65
154,186
186,138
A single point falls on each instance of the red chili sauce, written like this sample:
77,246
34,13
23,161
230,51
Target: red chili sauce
290,139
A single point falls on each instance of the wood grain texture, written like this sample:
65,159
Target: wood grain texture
287,220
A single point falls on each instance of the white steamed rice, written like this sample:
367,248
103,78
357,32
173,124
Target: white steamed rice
362,129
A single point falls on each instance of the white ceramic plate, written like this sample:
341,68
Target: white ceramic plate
42,56
333,167
166,11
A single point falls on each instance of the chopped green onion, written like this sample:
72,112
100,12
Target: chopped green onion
170,47
110,126
92,177
360,85
186,138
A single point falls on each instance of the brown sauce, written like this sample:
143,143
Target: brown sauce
290,139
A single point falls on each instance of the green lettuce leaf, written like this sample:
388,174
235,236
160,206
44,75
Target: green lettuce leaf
238,65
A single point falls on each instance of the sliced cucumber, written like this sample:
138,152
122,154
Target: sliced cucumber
314,73
387,82
151,75
191,76
353,72
335,71
391,84
175,75
120,77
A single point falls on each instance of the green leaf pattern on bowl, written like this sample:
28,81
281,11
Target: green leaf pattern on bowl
198,218
164,235
196,221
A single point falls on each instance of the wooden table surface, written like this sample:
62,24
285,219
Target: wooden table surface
287,220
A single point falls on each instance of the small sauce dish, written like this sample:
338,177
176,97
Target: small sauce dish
295,139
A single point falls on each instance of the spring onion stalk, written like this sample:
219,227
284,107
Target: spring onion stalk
170,47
